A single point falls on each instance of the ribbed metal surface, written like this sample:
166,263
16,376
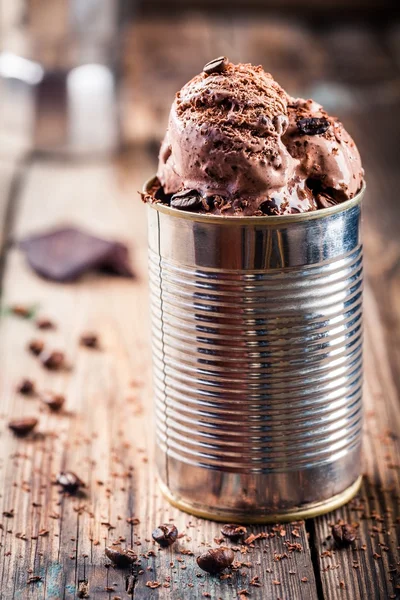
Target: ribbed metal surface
257,371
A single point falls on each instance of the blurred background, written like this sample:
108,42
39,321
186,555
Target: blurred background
94,79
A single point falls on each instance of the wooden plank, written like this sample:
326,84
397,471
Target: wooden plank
105,434
370,569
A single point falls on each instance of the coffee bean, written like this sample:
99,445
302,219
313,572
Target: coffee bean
26,387
269,207
234,532
215,560
21,427
36,347
313,125
343,534
217,65
90,340
54,361
69,481
120,557
43,323
186,200
165,535
53,401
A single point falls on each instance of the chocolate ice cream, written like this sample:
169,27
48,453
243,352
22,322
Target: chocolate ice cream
237,144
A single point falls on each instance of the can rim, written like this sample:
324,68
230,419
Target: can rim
254,220
309,511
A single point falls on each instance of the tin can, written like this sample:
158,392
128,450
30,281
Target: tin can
257,361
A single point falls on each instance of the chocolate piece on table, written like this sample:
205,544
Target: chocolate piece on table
65,254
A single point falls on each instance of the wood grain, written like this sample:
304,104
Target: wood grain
370,569
105,432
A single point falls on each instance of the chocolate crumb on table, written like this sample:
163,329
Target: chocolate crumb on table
36,346
90,339
26,387
45,323
52,400
53,360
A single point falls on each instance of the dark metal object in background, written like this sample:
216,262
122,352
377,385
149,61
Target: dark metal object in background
66,54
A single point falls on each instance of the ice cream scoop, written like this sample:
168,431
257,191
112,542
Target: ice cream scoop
238,144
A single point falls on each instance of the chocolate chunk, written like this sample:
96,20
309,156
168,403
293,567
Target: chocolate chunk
89,340
215,560
53,401
26,387
69,481
237,204
165,535
234,532
313,125
36,347
54,360
65,254
120,558
21,427
186,200
325,201
217,65
343,534
269,207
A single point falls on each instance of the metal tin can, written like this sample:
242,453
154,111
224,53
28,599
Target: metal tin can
257,361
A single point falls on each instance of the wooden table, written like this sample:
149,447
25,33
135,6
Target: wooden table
52,545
